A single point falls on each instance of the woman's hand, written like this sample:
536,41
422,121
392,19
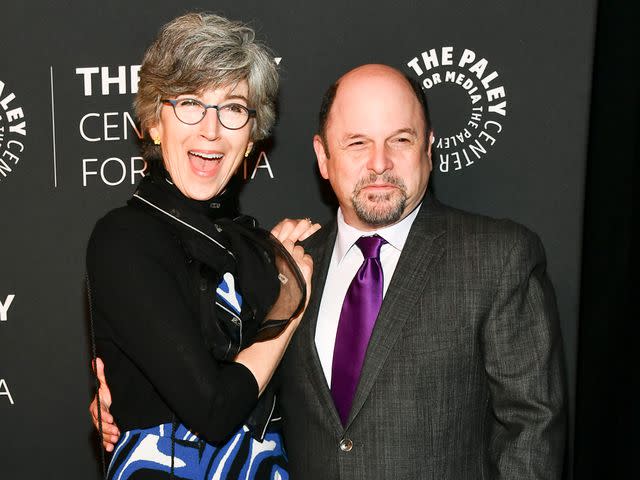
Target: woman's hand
295,230
289,232
262,358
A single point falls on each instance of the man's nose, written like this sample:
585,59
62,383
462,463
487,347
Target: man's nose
379,160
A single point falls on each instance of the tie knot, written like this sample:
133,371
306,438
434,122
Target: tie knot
370,246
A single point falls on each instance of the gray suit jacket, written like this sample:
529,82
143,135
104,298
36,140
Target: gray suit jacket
463,377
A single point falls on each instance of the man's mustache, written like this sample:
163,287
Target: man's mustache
374,178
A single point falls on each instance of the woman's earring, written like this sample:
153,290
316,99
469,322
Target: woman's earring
156,141
246,154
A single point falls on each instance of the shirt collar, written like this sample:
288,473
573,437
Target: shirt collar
395,235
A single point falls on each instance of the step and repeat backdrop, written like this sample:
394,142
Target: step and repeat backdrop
508,83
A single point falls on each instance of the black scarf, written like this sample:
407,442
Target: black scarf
216,240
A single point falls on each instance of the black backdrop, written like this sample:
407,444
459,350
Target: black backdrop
68,154
607,420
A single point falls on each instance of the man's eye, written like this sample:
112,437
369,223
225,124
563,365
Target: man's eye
400,142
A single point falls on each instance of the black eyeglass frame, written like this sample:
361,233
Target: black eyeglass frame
250,111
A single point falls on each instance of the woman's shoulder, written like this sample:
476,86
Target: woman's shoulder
131,225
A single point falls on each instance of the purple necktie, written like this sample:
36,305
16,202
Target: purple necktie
357,318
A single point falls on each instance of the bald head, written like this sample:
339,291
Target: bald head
362,75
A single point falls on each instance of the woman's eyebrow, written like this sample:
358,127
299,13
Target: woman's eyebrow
236,96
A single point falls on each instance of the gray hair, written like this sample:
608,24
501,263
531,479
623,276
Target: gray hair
198,51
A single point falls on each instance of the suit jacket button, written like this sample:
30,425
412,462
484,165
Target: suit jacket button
346,444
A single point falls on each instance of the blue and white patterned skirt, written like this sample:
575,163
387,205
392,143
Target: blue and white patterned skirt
145,453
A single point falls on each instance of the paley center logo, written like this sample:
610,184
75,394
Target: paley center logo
13,130
453,73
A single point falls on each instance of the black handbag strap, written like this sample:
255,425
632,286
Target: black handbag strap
94,356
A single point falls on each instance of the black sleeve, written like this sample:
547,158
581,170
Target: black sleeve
133,271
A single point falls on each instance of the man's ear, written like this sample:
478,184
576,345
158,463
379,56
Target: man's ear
321,156
430,141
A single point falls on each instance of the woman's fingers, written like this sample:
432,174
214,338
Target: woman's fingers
311,229
294,229
302,259
289,245
302,229
110,431
107,418
282,230
104,392
108,425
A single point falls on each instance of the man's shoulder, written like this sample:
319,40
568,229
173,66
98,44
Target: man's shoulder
464,224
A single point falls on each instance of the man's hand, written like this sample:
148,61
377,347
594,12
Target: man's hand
110,432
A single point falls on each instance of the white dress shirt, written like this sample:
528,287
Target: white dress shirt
345,262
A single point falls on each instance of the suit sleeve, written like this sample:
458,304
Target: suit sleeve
524,361
135,288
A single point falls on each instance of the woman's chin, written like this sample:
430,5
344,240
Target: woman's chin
199,192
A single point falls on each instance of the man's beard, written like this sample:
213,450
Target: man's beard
379,209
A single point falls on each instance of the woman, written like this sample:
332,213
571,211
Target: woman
178,290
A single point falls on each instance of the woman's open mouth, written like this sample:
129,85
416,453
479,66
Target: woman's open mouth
204,163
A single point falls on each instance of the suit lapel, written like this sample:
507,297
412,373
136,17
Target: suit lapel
424,246
321,250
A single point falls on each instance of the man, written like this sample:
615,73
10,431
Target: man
459,374
462,377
